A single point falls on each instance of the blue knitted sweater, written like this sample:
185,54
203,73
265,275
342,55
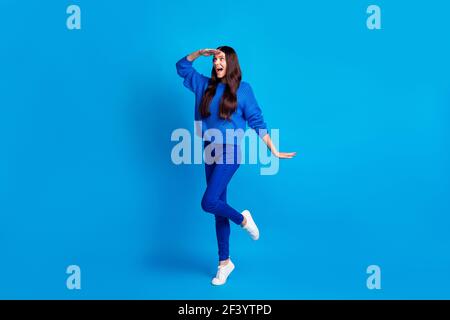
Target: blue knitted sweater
247,111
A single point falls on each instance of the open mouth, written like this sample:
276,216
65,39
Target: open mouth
219,69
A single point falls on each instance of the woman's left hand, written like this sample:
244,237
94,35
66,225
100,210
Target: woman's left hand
285,155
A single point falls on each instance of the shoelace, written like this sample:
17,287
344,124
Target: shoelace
220,273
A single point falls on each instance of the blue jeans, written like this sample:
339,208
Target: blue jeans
218,174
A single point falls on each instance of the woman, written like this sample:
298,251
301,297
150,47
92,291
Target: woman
224,102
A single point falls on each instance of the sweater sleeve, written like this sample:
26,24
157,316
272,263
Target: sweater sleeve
193,80
253,114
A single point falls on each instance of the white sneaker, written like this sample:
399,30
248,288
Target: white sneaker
222,274
250,226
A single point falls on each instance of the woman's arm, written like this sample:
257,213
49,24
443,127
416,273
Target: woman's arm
253,115
193,80
273,149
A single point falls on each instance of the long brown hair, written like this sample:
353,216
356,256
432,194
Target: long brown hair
228,103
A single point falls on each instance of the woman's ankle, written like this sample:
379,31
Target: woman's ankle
244,222
224,262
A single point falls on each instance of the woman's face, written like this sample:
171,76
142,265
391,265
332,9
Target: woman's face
220,64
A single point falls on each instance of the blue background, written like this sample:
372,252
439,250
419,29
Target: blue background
86,176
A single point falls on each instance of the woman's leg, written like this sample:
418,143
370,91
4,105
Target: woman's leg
223,237
222,223
218,180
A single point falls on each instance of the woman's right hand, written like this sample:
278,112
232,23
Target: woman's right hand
208,52
202,52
